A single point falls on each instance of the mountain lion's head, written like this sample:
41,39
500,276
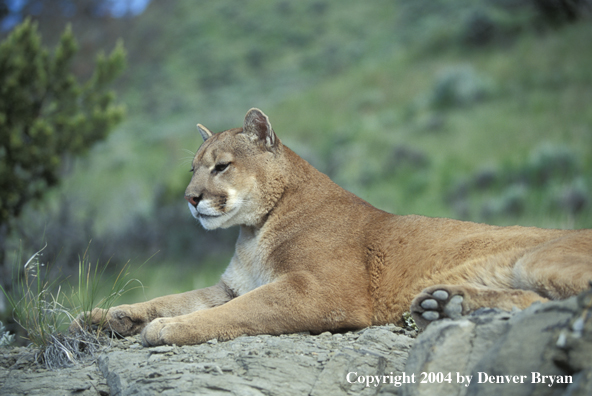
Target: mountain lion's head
236,174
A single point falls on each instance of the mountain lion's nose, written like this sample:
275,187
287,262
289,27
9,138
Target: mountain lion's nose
193,200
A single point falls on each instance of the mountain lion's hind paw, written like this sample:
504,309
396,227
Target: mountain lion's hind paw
436,303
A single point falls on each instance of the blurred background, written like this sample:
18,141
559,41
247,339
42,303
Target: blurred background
478,110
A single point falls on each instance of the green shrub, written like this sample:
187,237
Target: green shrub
45,114
459,86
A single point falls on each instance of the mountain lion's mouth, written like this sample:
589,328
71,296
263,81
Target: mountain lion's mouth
207,216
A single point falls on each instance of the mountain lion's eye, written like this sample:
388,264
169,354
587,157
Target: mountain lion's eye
221,167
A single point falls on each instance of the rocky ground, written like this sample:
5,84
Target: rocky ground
295,364
544,350
488,353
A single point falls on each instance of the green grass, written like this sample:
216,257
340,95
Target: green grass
44,307
35,308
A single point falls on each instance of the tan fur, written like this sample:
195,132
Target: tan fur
313,257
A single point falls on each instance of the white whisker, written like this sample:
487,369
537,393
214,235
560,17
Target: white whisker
186,160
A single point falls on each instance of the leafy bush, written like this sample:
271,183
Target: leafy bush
45,114
459,86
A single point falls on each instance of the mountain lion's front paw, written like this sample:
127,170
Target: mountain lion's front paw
97,318
158,333
437,302
122,320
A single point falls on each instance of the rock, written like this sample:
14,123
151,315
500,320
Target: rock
84,380
295,364
542,350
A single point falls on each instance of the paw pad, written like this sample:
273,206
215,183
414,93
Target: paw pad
437,303
430,315
429,304
454,307
441,295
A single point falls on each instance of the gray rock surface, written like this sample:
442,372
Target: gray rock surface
508,353
296,364
20,375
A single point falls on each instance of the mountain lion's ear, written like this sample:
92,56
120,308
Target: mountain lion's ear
257,126
204,132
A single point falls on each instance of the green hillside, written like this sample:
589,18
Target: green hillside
451,108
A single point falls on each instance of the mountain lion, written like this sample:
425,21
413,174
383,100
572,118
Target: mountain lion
311,256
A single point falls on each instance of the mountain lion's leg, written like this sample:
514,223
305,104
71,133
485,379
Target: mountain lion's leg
296,302
453,301
557,269
131,319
